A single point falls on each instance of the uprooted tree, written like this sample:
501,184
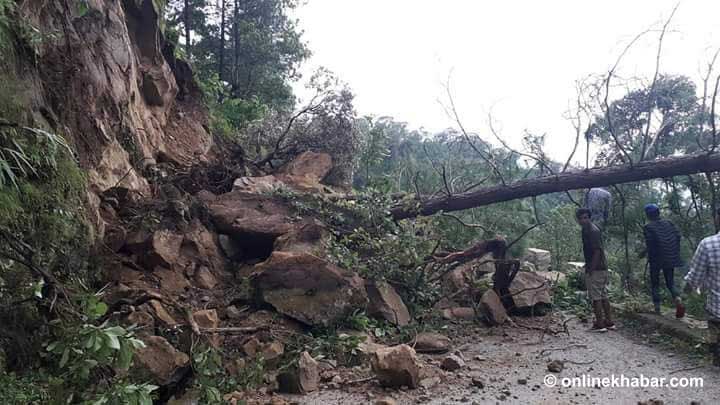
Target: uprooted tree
605,176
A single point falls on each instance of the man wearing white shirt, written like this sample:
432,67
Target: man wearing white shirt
704,274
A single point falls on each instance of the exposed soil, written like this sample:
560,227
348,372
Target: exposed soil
512,363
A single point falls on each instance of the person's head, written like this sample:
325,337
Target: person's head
652,211
582,215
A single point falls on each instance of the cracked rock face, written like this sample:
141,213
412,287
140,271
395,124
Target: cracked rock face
112,89
308,288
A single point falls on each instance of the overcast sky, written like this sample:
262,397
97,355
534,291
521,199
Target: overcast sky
520,58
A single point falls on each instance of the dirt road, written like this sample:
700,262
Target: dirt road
511,364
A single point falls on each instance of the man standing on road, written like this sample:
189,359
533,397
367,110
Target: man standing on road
662,242
704,274
596,271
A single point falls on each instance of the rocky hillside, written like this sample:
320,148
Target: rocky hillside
105,78
192,253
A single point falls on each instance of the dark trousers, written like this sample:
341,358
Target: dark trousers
668,273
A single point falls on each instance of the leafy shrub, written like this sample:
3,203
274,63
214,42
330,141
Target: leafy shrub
211,380
23,390
88,353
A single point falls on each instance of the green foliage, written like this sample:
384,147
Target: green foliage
81,350
31,154
374,148
6,8
672,101
397,257
330,345
367,241
41,203
82,8
22,390
209,375
85,363
211,380
324,344
560,235
376,327
239,113
124,393
229,117
47,212
268,52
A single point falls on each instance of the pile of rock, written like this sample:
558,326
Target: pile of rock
173,277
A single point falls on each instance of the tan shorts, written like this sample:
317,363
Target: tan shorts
596,282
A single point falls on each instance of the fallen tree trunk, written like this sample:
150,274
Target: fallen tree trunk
605,176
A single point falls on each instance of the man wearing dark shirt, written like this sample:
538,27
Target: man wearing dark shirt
662,240
596,271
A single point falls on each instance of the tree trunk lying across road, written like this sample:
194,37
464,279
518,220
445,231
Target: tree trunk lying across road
599,177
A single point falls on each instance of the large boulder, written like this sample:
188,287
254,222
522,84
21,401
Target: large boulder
159,87
161,360
397,366
492,308
541,259
308,288
386,303
529,289
244,216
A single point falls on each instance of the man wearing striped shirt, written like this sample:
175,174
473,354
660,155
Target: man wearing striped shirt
704,274
662,240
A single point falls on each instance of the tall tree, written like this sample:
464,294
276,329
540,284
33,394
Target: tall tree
221,57
236,44
265,52
186,18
